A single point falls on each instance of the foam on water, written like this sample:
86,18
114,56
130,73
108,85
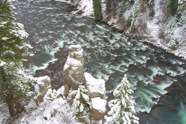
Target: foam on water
108,54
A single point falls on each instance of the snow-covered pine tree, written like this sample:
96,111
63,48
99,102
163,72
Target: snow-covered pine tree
13,53
81,104
122,109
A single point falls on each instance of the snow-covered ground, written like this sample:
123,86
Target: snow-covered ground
4,115
53,110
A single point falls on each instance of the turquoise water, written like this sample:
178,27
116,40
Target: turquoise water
158,78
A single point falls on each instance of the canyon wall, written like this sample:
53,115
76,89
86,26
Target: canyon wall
161,22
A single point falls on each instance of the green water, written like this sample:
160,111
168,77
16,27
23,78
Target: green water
158,78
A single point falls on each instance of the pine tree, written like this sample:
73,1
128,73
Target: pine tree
97,10
122,109
173,6
81,104
108,6
13,52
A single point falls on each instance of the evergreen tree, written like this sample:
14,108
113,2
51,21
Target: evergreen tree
81,104
13,53
122,8
173,6
97,10
122,109
108,6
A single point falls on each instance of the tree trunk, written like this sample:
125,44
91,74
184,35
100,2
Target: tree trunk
11,109
8,96
97,10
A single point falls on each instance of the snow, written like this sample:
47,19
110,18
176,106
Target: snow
181,1
98,104
158,8
72,61
42,80
95,87
5,38
4,115
20,31
122,109
53,111
76,53
155,26
86,6
2,63
60,91
80,102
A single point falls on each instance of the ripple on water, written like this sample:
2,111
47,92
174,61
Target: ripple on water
108,54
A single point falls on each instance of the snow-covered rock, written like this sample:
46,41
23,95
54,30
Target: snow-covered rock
41,86
96,87
48,96
73,69
23,121
86,6
60,92
98,108
54,111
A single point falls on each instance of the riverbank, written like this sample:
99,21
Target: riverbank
154,25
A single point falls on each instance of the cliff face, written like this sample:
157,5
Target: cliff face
163,22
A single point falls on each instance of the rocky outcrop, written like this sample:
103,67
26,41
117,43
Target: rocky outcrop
97,93
98,108
74,78
73,73
96,87
41,86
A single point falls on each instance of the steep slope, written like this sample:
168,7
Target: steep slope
162,23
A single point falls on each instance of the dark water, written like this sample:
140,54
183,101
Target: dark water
158,78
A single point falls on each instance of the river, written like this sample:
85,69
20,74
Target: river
158,78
